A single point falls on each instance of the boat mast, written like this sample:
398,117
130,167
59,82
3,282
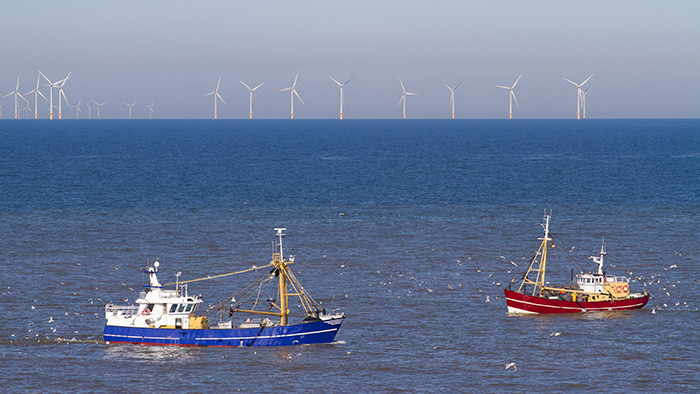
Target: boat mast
281,265
540,270
599,260
545,244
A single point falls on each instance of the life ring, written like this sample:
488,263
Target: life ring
625,288
619,288
146,312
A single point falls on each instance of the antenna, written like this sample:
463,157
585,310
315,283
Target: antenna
280,235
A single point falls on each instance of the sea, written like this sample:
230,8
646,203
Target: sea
412,228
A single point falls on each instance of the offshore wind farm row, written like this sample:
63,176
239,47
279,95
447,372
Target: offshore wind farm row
59,85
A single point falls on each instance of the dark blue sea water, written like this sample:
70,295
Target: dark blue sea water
406,226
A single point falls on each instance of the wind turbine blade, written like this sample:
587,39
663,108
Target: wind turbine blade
244,84
411,94
401,100
217,84
20,95
42,95
256,88
8,95
584,82
334,80
95,102
125,103
516,81
447,86
62,93
285,89
79,101
514,98
297,94
42,74
210,93
571,82
348,81
222,99
502,87
153,103
17,88
402,87
295,80
457,86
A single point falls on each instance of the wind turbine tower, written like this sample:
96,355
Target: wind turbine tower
293,91
342,101
452,97
77,109
16,93
403,97
250,112
130,107
37,93
62,93
217,96
511,96
51,86
98,107
580,96
150,109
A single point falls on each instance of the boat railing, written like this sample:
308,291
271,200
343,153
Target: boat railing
117,310
163,294
611,278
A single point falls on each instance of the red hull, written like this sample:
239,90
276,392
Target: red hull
522,303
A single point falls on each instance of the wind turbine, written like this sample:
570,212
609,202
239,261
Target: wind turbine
16,93
342,85
511,96
37,92
89,110
403,97
62,93
98,107
216,95
51,86
579,96
150,109
27,110
452,97
130,106
583,100
292,92
251,96
77,108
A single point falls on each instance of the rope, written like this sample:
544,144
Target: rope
567,253
254,268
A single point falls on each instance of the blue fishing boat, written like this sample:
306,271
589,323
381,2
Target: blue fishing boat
173,317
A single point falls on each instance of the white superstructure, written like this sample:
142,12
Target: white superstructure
156,307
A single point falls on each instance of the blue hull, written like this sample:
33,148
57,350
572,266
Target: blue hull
293,334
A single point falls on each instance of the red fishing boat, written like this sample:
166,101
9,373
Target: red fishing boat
592,291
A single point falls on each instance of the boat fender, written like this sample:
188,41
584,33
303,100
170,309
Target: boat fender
625,288
146,312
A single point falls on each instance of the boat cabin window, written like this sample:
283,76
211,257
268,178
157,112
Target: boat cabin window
189,307
173,308
181,308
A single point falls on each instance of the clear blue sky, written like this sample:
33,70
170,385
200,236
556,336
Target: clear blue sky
645,56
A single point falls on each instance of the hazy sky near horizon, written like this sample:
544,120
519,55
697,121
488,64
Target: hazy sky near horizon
645,56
